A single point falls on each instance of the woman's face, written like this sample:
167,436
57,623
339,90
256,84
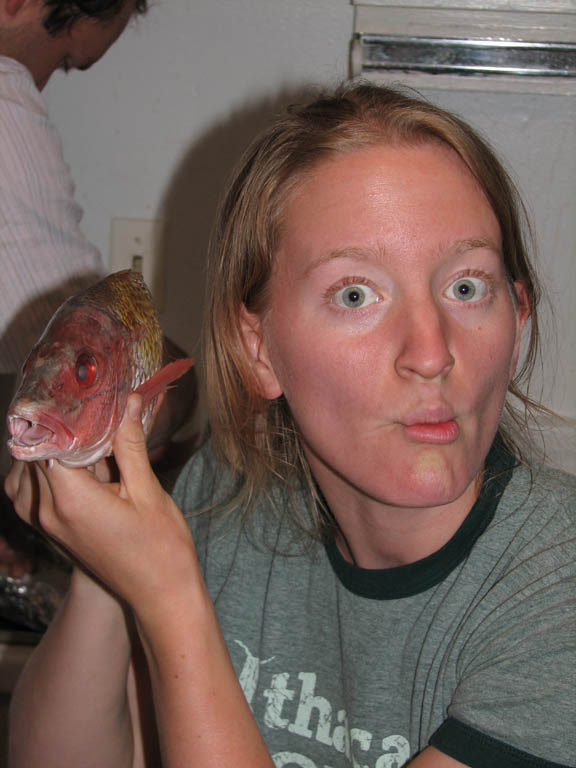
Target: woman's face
391,329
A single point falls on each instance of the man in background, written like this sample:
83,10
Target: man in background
44,256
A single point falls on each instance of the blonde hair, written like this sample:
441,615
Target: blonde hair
256,436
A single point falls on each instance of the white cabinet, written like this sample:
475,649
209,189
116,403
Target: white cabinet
512,46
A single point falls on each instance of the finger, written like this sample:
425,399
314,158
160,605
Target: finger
41,502
69,488
106,470
24,491
55,496
12,481
130,449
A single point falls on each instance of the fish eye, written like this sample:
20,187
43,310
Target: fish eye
86,370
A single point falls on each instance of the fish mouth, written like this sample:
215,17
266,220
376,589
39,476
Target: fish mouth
37,436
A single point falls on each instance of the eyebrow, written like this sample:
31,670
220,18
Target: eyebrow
356,254
359,254
473,243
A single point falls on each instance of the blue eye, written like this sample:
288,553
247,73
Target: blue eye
355,296
468,289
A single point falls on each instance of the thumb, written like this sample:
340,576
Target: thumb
130,445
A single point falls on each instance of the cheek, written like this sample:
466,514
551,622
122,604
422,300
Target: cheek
488,357
319,372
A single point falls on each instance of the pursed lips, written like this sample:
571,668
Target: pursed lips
428,415
436,425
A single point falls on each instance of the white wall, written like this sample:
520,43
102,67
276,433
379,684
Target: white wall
536,136
154,128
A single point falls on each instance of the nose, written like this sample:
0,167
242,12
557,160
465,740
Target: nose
425,345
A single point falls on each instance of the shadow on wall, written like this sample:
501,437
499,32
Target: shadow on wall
189,209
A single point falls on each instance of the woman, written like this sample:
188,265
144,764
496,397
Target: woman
375,576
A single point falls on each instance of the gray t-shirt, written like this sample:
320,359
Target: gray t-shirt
471,649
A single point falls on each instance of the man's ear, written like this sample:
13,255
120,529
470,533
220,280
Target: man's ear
13,7
23,11
257,354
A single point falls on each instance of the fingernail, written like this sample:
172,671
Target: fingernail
134,408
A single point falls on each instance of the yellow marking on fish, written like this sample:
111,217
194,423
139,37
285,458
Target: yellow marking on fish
127,297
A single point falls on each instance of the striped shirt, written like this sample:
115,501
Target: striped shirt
44,256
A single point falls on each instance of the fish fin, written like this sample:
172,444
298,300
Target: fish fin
166,375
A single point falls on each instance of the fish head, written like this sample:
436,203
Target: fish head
73,390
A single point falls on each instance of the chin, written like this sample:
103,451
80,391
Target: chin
429,497
431,481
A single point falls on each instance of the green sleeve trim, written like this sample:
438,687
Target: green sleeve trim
477,750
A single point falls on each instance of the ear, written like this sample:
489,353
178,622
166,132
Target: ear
15,14
257,353
13,7
522,311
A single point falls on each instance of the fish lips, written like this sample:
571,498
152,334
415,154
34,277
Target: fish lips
37,435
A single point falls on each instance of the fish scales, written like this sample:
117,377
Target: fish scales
100,346
127,297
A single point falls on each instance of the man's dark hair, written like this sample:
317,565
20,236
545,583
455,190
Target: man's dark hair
63,14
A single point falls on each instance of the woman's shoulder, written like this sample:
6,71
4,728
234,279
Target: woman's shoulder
536,516
228,525
209,485
545,486
204,481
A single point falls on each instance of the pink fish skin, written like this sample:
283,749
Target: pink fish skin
100,346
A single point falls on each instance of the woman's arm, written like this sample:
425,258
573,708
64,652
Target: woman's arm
433,758
70,705
132,537
204,719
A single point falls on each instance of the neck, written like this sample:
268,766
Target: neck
372,534
34,48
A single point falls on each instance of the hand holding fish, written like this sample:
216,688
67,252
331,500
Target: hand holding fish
129,534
